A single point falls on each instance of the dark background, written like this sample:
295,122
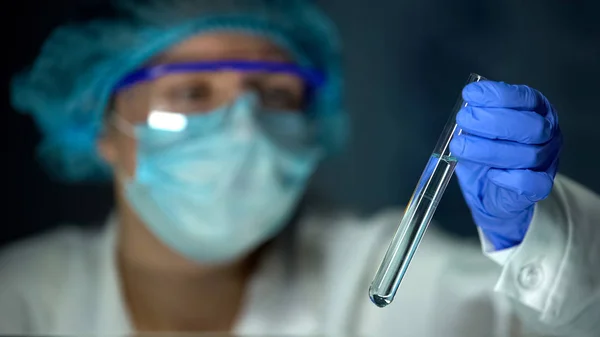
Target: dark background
405,64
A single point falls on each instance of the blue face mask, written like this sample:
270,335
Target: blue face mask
214,186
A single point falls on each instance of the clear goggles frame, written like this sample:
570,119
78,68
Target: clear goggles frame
179,89
198,87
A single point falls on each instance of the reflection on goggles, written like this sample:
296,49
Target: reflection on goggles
167,121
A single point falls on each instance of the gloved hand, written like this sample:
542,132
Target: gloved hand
508,156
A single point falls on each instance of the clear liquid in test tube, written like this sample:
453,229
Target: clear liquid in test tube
418,213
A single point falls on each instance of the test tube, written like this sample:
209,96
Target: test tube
418,213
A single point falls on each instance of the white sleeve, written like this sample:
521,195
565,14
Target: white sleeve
13,315
553,276
33,288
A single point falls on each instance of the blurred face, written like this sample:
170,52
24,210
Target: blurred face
199,92
211,195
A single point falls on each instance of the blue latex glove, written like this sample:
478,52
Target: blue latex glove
508,156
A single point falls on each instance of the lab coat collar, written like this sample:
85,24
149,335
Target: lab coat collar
266,308
112,313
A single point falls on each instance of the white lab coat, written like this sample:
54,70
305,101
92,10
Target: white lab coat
315,281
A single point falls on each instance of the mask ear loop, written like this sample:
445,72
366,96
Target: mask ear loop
126,128
122,125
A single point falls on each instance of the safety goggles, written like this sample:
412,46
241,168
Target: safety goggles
196,87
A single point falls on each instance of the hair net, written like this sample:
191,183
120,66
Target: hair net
68,87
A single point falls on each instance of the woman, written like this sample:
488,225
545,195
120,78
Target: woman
211,117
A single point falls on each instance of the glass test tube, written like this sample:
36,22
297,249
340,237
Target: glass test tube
418,213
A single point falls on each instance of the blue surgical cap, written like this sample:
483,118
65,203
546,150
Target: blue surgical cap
69,85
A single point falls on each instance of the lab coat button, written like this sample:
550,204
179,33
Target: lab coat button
530,276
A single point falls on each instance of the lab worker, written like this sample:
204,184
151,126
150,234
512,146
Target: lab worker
210,118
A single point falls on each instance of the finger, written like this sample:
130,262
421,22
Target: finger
502,154
534,186
492,94
525,127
